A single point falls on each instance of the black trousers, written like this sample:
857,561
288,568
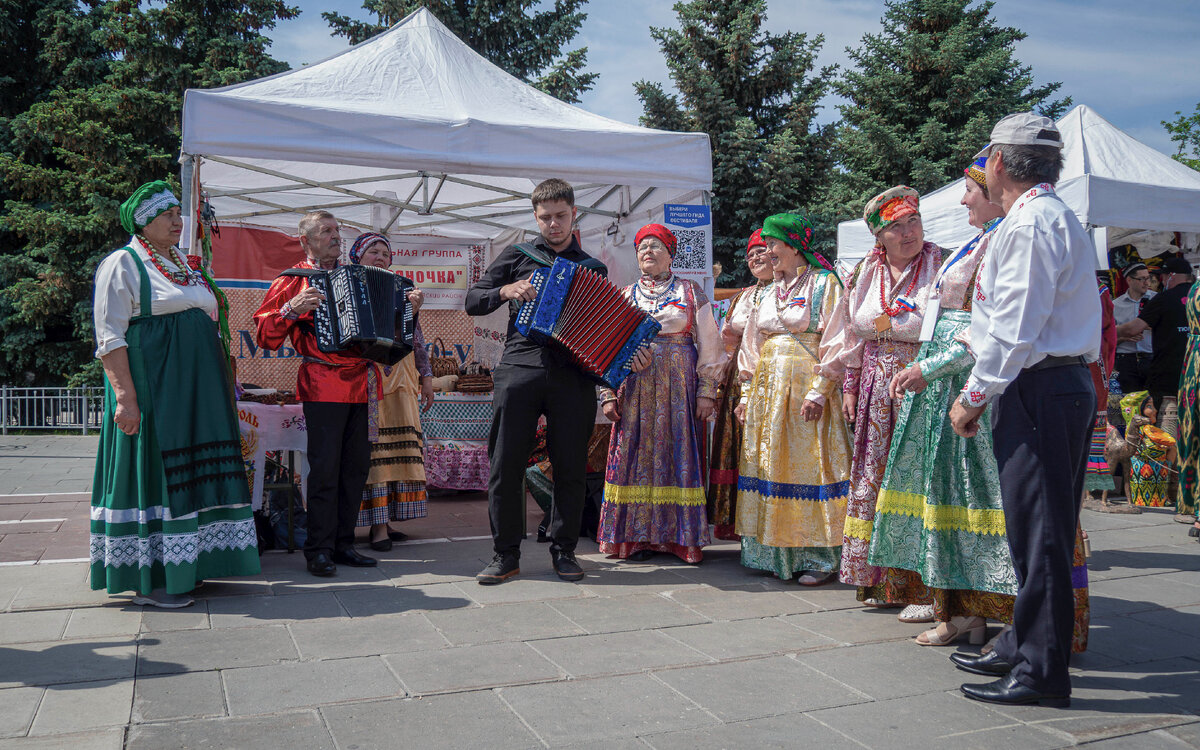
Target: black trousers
1041,430
339,459
568,400
1131,371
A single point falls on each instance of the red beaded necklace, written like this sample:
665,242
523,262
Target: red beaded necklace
182,277
894,310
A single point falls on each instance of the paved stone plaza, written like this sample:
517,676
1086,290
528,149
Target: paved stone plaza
415,654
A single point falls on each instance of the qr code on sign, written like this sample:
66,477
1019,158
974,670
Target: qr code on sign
690,254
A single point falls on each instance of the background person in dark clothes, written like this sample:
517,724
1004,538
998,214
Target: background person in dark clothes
532,381
1165,317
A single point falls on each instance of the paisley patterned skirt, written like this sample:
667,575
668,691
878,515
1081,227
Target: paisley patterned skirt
875,420
654,482
794,475
726,453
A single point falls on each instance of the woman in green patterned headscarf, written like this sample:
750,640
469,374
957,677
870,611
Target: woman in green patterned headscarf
170,500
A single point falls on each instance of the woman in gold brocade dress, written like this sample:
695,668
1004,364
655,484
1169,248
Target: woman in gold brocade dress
795,468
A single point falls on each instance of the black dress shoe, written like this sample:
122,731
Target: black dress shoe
566,566
397,536
321,565
1008,692
382,545
500,569
353,559
988,664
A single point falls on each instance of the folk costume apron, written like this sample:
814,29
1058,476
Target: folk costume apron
171,504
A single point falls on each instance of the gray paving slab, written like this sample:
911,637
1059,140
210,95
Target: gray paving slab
630,612
84,706
618,653
831,596
366,636
741,638
912,669
291,577
763,687
740,602
190,695
106,739
861,625
932,721
392,600
248,611
611,580
228,648
508,622
611,707
1140,562
37,625
55,662
1162,739
290,731
278,687
472,668
20,705
1188,733
522,589
1128,640
450,722
1139,594
195,617
109,620
417,572
782,732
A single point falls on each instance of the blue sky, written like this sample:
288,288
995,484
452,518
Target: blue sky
1134,63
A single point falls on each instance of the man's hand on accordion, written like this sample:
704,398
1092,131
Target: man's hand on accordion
306,301
416,297
521,291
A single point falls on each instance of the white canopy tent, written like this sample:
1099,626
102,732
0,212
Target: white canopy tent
1109,179
412,132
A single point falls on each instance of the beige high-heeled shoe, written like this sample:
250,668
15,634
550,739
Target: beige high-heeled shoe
975,628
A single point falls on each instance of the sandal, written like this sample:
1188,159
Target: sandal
974,628
880,604
916,613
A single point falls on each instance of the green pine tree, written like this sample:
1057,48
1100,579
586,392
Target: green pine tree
105,119
923,96
756,95
1185,130
512,34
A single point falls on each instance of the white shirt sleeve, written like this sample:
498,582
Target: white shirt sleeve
116,297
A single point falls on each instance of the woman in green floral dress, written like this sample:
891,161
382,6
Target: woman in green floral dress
1189,415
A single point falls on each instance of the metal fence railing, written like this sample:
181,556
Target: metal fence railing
73,409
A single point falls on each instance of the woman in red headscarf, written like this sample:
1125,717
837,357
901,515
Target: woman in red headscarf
727,431
654,485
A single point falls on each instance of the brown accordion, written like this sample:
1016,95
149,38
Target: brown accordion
366,312
580,312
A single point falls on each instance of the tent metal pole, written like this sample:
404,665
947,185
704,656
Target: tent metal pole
633,206
399,211
286,188
290,210
287,210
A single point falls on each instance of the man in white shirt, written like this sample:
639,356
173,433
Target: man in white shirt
1035,323
1133,351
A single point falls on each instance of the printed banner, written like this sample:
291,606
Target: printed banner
247,259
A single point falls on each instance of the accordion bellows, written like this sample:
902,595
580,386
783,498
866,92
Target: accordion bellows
580,312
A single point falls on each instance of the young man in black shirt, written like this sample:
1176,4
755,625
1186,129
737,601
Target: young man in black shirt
1165,317
530,381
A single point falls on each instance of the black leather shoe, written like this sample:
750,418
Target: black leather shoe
500,569
397,536
382,545
988,664
321,565
1008,692
566,566
353,559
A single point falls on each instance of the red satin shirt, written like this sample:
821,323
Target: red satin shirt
323,376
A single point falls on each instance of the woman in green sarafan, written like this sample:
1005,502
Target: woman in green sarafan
170,501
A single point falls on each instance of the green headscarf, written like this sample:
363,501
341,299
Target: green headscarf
796,232
145,205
